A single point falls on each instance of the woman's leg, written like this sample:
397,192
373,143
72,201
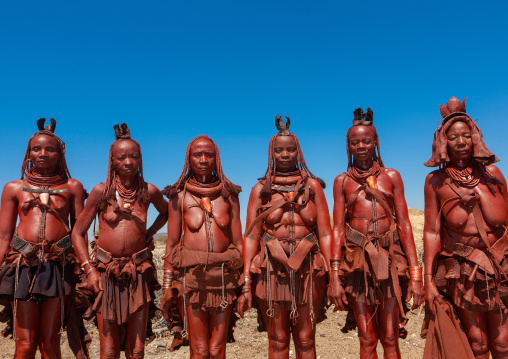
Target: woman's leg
388,328
27,329
218,326
498,333
198,332
365,316
475,326
304,331
278,330
49,330
136,334
109,336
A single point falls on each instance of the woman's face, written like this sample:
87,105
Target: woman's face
44,153
460,143
202,158
285,153
126,158
362,143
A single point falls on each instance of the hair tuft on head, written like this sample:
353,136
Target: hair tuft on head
358,115
122,132
281,126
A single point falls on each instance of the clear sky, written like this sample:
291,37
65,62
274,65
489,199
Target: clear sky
175,69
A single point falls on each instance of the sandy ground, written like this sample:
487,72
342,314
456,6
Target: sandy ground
330,341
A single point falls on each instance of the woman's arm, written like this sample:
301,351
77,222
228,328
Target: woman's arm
324,229
336,293
161,205
174,226
236,224
431,240
405,231
250,248
79,238
8,216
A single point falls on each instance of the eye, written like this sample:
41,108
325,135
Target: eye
367,141
278,150
209,155
292,149
354,143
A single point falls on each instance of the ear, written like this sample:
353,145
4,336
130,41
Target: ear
444,111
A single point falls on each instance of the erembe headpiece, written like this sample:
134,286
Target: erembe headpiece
122,133
228,187
455,111
28,168
301,166
364,119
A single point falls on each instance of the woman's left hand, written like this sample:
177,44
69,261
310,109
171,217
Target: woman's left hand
415,290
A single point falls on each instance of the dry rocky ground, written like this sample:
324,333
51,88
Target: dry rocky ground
330,341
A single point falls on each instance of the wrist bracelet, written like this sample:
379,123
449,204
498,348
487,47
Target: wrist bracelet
415,273
88,271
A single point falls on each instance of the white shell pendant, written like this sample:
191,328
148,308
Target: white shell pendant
44,197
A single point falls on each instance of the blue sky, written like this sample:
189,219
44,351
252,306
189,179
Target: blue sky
175,69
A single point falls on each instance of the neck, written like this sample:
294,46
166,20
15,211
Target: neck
46,171
127,181
203,178
461,163
363,165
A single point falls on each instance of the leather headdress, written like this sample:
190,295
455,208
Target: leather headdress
455,111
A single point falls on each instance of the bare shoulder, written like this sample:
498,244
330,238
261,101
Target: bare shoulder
74,186
96,192
315,185
11,189
433,178
256,189
495,171
152,189
392,173
339,180
14,186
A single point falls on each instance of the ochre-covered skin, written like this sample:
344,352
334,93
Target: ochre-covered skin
448,218
37,326
122,235
309,216
192,204
377,315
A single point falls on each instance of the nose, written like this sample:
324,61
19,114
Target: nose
202,158
43,153
128,161
461,141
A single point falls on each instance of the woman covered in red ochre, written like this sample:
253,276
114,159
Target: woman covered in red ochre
287,248
203,260
120,272
465,236
38,267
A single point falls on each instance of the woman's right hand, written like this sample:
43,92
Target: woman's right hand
431,294
244,302
336,294
94,281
